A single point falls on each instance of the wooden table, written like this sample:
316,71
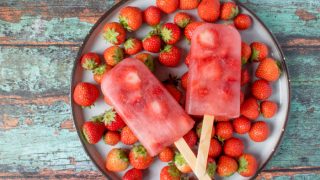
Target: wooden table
39,41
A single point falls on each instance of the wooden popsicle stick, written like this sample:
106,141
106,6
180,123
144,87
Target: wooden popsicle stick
204,144
189,156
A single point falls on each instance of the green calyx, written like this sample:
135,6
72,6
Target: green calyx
211,169
109,116
167,48
255,54
173,170
183,23
166,34
234,13
129,44
90,64
98,118
139,151
243,61
179,159
123,155
100,70
220,139
111,35
118,55
149,63
124,22
243,165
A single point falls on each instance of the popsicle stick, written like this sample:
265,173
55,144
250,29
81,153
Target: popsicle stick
189,156
204,144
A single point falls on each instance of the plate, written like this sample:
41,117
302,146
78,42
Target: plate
94,42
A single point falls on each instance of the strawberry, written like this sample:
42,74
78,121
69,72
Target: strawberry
112,138
259,51
166,155
181,163
152,15
114,33
93,131
268,70
229,10
170,172
131,18
139,157
152,43
117,160
127,136
268,109
188,31
227,166
241,125
191,138
176,93
170,56
199,129
259,131
113,55
250,108
215,148
261,89
184,80
112,120
211,167
233,147
245,53
90,61
182,19
85,94
170,33
147,59
168,6
241,97
133,174
132,46
224,130
187,60
245,76
189,4
209,10
242,22
100,71
248,165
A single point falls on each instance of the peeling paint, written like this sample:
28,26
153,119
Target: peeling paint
7,122
305,15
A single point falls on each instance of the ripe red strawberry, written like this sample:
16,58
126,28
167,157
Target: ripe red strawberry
199,129
227,166
261,89
170,56
187,60
176,93
85,94
268,109
181,163
152,43
170,172
242,22
248,165
241,125
147,59
184,80
268,70
229,10
259,51
90,61
259,131
114,33
127,136
152,15
133,174
132,46
209,10
131,18
191,138
166,155
170,33
241,97
189,4
188,31
113,55
224,130
245,76
168,6
100,71
93,131
139,157
245,53
112,120
117,160
215,148
233,147
211,167
182,19
250,108
111,138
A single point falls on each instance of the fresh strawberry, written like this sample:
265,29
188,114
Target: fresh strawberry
152,15
166,155
112,120
215,148
139,157
181,163
188,31
182,19
245,76
259,131
176,93
211,167
100,71
248,165
127,136
250,108
184,80
170,33
187,60
209,10
117,160
93,131
259,51
170,56
241,97
242,22
261,89
191,138
113,55
168,6
227,166
85,94
132,46
245,53
241,125
199,129
112,138
147,59
170,172
90,61
268,70
131,18
152,43
229,10
224,130
189,4
133,174
114,33
233,147
268,109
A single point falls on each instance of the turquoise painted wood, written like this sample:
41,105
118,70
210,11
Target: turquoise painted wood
39,42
